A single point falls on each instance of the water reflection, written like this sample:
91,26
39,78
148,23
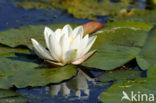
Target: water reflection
78,85
83,88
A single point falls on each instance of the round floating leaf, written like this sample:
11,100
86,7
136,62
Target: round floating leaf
8,96
138,87
147,55
23,35
116,45
22,70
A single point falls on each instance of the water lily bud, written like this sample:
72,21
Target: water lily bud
91,27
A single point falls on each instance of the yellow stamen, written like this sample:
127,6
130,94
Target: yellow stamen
72,40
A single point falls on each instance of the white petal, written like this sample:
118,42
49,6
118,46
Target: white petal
64,42
58,34
70,56
41,51
86,38
67,30
84,43
89,45
75,44
47,33
84,58
58,31
78,31
54,47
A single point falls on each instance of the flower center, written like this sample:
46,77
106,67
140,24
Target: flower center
72,40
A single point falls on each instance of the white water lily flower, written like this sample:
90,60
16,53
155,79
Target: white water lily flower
65,46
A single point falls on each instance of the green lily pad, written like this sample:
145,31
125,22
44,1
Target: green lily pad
119,75
139,86
22,35
22,70
8,96
127,24
147,55
5,50
116,45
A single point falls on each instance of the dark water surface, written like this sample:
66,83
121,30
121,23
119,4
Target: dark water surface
90,89
11,17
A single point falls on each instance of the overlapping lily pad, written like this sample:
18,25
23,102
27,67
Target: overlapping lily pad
22,70
138,86
117,44
147,56
8,96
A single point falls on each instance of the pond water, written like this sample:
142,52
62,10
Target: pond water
82,88
12,17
